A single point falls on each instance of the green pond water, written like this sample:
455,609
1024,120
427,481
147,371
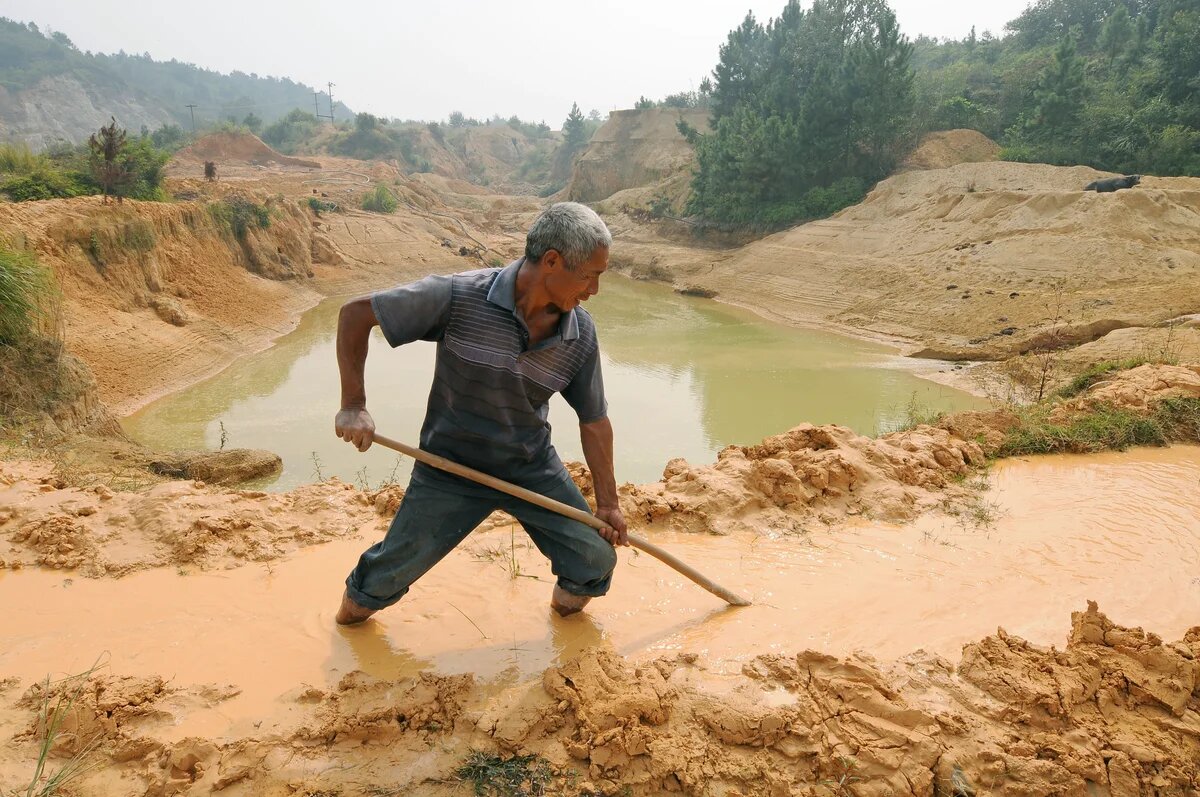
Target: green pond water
684,378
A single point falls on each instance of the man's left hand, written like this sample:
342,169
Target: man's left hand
616,533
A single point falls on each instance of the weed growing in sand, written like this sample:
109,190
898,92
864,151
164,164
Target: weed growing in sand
57,705
493,776
318,474
915,414
840,787
224,435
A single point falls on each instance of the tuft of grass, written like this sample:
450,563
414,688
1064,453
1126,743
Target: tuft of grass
18,158
25,288
58,703
1104,428
1097,372
917,414
518,776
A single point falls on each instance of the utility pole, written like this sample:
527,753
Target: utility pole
192,110
316,107
330,102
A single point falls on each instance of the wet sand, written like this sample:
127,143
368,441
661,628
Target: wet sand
1121,529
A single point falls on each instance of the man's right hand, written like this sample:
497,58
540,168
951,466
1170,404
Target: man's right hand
355,425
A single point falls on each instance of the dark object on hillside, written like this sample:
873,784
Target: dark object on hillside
1114,184
698,292
210,171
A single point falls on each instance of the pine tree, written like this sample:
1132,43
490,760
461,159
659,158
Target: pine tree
1116,33
109,167
1060,93
575,134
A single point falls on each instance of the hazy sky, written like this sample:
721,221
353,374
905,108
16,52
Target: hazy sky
421,60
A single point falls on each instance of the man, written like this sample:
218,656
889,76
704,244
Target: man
507,339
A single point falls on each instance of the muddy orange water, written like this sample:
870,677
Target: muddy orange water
1122,529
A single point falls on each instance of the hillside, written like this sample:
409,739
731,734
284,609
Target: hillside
637,149
49,90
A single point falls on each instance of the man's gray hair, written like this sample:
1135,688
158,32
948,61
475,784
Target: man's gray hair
573,230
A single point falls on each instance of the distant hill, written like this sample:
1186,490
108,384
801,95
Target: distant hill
50,91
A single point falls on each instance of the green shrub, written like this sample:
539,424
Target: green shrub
238,215
319,206
1103,428
24,286
380,200
42,184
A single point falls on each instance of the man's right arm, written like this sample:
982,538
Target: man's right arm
355,322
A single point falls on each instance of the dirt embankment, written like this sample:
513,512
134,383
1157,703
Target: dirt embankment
156,296
635,156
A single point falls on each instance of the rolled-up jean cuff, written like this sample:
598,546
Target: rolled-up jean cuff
584,590
366,601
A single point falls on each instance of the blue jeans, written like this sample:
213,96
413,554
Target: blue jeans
431,522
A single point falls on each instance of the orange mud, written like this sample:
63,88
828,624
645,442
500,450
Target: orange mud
222,662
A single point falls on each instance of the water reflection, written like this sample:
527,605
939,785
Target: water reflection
685,377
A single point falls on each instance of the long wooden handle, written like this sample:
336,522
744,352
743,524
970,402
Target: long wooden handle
658,553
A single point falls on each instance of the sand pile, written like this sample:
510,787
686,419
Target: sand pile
946,148
239,148
1114,712
809,472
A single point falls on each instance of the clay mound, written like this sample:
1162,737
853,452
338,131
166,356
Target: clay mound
634,148
946,148
1114,712
229,147
807,473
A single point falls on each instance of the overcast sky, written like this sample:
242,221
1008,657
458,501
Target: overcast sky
421,60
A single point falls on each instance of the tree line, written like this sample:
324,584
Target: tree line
811,108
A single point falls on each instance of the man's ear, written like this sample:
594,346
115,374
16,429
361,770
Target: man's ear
551,260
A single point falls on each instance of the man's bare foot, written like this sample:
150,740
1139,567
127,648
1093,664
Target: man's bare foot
350,613
565,603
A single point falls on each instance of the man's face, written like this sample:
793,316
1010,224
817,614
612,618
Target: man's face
568,288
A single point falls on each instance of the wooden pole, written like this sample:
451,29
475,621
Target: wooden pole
587,518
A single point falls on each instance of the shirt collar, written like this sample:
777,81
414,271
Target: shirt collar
503,293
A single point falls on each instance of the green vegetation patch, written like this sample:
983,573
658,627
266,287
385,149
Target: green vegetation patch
24,289
1097,372
239,215
1103,428
493,776
379,200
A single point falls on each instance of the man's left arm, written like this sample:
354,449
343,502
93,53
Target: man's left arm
597,440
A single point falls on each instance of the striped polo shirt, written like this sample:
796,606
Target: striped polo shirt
489,401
